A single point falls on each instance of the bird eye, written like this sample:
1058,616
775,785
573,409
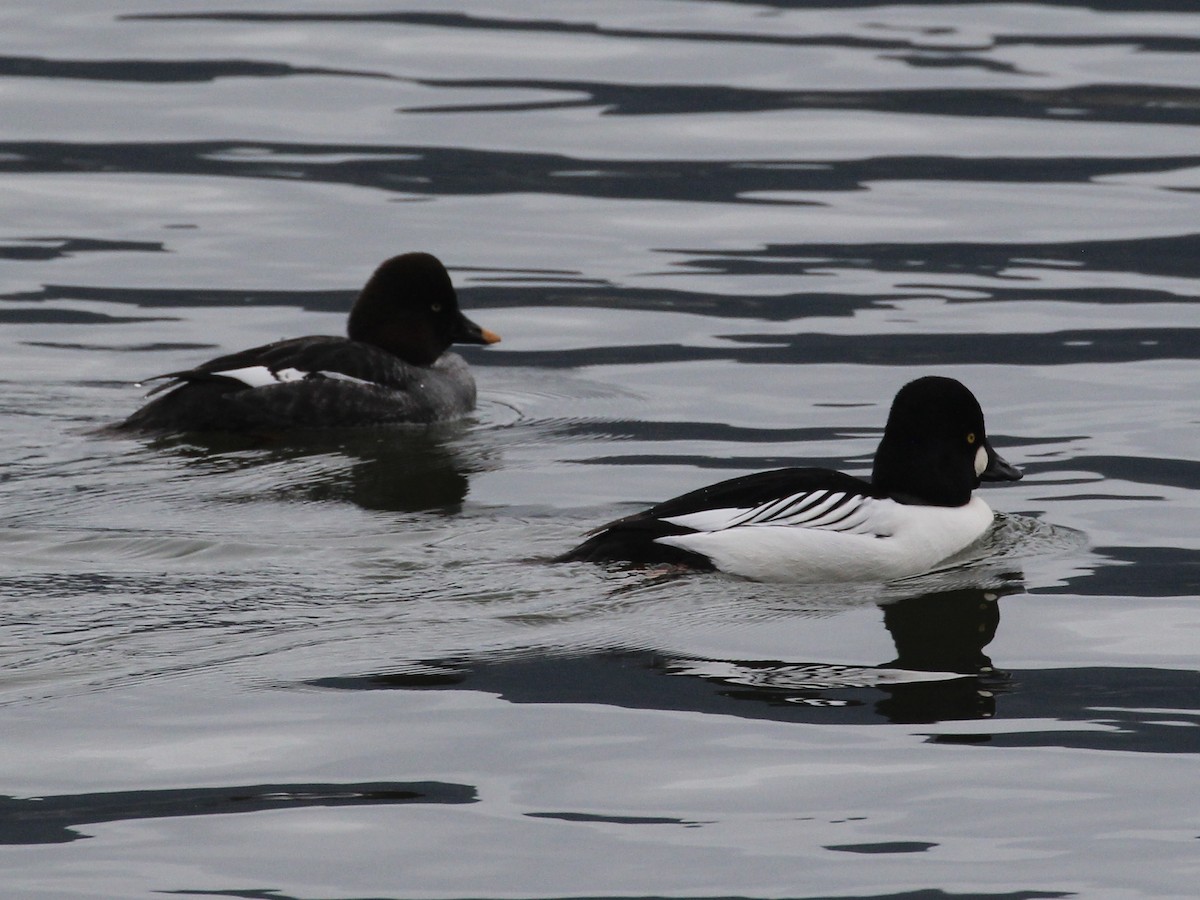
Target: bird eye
436,307
971,437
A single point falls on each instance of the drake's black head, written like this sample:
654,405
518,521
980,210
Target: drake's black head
409,308
935,449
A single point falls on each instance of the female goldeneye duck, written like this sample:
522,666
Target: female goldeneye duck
394,366
817,525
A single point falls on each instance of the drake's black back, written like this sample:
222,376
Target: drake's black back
633,538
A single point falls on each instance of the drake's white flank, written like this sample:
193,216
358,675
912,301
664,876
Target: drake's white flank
901,540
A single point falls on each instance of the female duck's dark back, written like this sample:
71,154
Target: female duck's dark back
392,368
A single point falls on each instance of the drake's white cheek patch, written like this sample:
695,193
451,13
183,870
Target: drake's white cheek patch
981,461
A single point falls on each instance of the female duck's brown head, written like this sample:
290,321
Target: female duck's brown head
409,308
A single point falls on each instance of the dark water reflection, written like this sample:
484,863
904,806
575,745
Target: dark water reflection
1140,572
387,469
1112,709
1167,256
943,634
1065,347
1102,103
454,20
455,171
54,820
932,894
151,70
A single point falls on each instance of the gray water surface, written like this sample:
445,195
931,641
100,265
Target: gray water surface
716,238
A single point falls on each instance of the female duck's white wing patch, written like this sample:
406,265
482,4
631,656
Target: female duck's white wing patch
342,376
262,376
822,509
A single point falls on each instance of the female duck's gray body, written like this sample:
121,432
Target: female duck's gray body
818,525
393,368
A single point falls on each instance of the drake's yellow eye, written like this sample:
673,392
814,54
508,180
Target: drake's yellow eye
971,437
436,307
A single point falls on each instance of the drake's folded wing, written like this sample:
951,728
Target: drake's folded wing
829,510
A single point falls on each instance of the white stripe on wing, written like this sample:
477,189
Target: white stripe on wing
827,510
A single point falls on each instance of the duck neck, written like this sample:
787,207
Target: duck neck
910,472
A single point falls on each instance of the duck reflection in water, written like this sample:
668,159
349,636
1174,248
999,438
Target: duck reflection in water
940,671
383,469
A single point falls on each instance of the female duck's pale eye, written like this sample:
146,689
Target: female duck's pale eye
981,460
437,307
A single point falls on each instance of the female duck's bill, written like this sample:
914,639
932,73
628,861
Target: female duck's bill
394,366
819,525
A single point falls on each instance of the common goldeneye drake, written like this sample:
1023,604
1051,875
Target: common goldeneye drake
392,368
817,525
